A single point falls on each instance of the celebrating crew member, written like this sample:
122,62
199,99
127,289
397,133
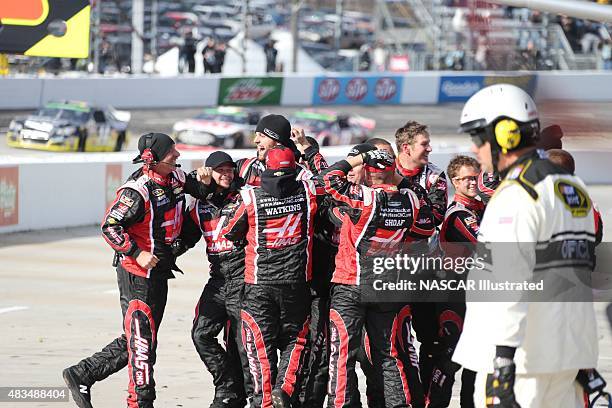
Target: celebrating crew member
379,218
541,208
271,131
325,246
141,225
277,222
220,299
458,236
414,147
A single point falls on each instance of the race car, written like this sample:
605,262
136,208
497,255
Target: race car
225,126
331,128
70,127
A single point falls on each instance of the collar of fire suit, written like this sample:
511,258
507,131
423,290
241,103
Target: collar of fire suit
407,172
532,154
470,203
388,188
162,181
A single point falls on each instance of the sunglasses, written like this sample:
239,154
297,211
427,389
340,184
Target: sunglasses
478,140
468,178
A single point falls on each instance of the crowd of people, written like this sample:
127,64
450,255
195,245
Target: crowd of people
292,245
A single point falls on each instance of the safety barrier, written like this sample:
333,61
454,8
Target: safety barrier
72,190
298,90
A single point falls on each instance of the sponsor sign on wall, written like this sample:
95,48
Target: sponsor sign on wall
113,182
250,91
357,90
461,88
9,195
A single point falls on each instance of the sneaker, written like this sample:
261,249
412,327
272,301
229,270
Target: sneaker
228,403
81,392
280,399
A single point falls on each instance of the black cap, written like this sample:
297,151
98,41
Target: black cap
215,159
159,143
276,127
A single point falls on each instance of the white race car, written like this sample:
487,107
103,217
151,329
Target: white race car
225,126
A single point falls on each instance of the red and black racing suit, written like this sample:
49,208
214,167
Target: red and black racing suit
277,222
487,183
377,221
147,215
458,238
250,170
433,180
219,305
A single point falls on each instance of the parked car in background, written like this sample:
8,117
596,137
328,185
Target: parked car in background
331,128
225,126
71,126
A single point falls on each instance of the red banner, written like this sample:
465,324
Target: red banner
9,195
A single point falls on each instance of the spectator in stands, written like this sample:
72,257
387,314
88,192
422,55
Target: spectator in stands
530,57
365,59
208,55
219,57
188,51
271,54
590,39
572,31
379,55
481,55
605,54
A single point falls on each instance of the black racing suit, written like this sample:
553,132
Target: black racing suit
219,305
376,221
277,222
147,215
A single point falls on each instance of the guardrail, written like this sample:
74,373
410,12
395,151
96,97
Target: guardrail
428,87
71,190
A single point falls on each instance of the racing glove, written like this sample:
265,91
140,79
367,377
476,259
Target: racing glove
441,385
360,148
377,158
500,384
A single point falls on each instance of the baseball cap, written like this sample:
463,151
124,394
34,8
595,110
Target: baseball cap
159,143
217,158
280,157
276,127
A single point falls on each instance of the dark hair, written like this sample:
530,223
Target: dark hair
562,158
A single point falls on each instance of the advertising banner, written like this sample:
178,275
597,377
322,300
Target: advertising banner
9,195
460,88
375,90
113,182
250,91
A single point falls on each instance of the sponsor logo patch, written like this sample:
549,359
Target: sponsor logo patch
575,200
126,200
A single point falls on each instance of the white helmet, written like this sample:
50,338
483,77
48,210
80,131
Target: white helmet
503,114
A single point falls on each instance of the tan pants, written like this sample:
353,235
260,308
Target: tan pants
557,390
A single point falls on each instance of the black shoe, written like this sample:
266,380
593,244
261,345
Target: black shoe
228,403
280,399
81,392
